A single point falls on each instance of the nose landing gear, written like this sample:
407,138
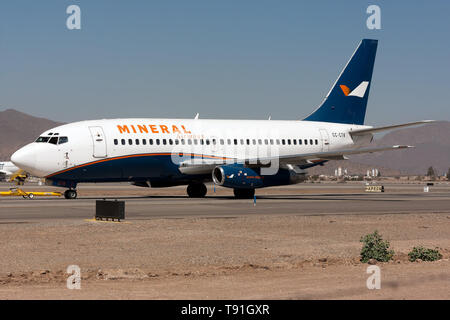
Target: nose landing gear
70,194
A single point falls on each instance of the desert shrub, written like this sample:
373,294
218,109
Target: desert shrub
374,247
424,254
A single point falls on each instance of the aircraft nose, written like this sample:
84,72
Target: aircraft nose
24,158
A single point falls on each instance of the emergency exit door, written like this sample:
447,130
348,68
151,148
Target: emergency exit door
99,142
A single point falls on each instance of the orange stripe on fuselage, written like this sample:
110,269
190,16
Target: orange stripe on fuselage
136,156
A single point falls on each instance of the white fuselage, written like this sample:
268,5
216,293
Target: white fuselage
91,144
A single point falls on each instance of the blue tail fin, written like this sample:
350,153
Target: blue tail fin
346,102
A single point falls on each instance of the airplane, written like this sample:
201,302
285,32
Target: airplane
240,154
7,169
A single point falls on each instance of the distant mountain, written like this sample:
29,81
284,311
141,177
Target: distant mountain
432,148
18,129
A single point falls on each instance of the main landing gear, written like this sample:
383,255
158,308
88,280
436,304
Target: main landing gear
244,193
196,190
70,194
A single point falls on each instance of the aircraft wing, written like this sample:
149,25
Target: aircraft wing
207,165
333,155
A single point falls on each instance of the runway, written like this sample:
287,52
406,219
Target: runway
306,199
300,241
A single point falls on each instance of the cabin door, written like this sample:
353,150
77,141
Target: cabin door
99,142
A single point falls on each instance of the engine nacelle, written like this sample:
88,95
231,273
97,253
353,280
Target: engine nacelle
240,177
237,177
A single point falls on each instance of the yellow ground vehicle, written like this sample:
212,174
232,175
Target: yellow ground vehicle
13,192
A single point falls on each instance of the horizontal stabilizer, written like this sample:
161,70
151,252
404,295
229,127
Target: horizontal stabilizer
359,132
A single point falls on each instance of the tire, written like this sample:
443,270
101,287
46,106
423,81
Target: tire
70,194
244,193
196,190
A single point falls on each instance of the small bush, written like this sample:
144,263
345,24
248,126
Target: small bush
424,254
375,247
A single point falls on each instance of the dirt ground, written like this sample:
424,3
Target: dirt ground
249,257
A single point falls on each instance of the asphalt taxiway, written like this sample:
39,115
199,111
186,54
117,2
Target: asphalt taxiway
305,199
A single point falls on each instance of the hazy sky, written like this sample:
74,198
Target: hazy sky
223,59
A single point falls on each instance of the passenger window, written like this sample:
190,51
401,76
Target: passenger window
123,141
283,142
164,141
170,141
115,141
202,142
213,141
144,142
278,141
235,141
189,141
222,142
207,141
53,140
266,141
254,141
157,142
306,142
294,141
137,142
317,141
300,141
248,142
289,141
195,141
177,142
228,141
150,141
271,141
65,140
182,141
310,141
130,141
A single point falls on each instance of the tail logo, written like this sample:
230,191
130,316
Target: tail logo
359,91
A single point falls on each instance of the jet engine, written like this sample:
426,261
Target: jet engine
240,177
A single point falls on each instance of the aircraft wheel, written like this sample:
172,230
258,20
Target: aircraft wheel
244,193
30,196
197,190
70,194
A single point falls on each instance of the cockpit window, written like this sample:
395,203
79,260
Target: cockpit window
53,140
63,140
42,139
